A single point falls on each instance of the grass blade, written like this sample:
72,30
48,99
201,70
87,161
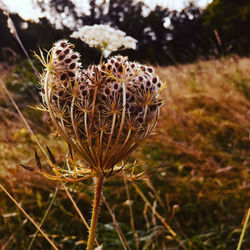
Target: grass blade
28,217
244,229
44,217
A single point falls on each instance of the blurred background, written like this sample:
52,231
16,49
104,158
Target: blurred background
198,158
165,35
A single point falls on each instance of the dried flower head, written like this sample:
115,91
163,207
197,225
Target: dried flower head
105,38
102,112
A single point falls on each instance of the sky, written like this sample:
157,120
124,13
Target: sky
26,9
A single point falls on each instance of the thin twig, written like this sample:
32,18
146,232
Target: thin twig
131,216
77,209
150,185
116,224
44,217
13,31
23,118
27,216
162,220
74,204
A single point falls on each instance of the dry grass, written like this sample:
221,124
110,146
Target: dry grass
201,185
207,117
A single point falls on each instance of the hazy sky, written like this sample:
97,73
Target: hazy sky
27,11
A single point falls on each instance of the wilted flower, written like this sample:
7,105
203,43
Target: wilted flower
105,38
102,112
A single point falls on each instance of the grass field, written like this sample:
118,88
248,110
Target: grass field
197,160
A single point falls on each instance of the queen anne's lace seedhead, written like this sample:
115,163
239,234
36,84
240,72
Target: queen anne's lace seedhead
103,112
105,38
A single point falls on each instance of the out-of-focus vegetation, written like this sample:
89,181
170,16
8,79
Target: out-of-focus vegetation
198,158
164,36
231,20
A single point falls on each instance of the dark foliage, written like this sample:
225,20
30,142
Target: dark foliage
231,19
192,33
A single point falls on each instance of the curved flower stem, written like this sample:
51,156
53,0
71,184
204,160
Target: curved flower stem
94,219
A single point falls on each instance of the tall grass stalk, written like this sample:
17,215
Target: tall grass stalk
27,216
162,220
131,215
116,224
13,31
44,217
22,117
244,229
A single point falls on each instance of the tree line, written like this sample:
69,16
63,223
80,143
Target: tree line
164,36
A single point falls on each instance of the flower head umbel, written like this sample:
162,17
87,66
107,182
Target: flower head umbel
103,112
105,38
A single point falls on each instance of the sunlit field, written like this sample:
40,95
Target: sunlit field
195,193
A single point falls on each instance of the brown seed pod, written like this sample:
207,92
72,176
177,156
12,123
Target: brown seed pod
103,112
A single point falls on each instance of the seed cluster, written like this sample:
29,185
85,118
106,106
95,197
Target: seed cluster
106,110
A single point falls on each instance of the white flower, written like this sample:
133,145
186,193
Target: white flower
105,38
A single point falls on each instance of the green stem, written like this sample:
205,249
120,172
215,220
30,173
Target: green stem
244,229
94,219
102,54
44,217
